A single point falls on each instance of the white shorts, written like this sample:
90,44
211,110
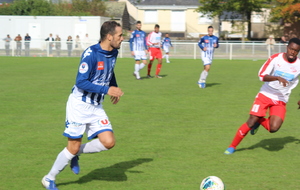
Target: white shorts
140,55
166,49
205,59
82,117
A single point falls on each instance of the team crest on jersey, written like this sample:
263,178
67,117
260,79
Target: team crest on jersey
294,70
100,65
206,41
83,67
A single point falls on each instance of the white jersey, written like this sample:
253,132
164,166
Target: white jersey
276,65
153,38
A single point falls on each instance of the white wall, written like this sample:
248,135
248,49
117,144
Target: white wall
39,27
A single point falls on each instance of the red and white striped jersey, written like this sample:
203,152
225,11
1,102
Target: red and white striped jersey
276,65
153,38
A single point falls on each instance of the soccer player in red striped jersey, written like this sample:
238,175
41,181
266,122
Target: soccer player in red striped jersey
280,74
154,43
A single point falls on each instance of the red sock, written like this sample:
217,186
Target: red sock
158,67
240,134
265,123
149,68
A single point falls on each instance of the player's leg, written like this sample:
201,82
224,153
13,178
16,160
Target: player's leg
167,57
204,74
158,55
136,72
144,60
61,162
257,112
151,59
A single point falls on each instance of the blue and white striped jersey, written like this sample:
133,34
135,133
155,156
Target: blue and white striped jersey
167,42
208,42
138,41
95,74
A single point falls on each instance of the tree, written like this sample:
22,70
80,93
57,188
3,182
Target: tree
286,11
244,8
31,7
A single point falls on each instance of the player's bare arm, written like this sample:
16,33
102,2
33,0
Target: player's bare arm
268,78
115,94
132,53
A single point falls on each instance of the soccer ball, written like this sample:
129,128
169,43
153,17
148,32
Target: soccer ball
212,183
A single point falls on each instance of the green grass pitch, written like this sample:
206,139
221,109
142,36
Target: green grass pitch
170,133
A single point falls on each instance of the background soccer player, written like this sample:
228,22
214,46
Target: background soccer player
207,44
138,48
84,112
166,44
280,74
154,43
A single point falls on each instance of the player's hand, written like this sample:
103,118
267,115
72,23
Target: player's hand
205,48
115,94
282,81
215,45
132,53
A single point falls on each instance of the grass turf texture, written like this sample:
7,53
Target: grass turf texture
170,133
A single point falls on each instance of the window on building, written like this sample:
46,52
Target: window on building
204,19
150,16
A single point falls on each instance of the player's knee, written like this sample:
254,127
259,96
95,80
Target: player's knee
274,128
73,149
108,143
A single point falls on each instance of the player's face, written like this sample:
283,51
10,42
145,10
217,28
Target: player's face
292,52
138,26
210,31
117,38
167,35
156,29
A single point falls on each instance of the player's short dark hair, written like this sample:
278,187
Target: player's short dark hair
108,27
156,26
138,22
210,27
294,40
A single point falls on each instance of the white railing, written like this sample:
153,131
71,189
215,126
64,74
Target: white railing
180,50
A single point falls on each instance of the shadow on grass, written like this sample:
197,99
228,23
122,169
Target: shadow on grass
274,144
115,172
212,84
145,77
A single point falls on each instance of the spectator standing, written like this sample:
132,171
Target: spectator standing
283,40
86,41
18,40
78,46
27,39
57,45
70,45
50,40
7,44
270,43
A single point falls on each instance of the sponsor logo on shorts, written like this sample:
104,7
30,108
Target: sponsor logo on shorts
104,121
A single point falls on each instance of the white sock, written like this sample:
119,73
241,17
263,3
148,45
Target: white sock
203,75
92,147
142,65
167,57
136,68
60,163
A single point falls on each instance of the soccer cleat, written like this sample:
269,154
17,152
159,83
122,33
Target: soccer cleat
74,165
149,76
254,129
229,150
168,62
201,84
49,184
137,75
157,76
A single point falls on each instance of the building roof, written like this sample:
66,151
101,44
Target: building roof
166,2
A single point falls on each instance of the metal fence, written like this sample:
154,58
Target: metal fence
180,50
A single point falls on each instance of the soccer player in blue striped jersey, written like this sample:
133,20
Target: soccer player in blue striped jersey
166,44
207,44
84,112
138,48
